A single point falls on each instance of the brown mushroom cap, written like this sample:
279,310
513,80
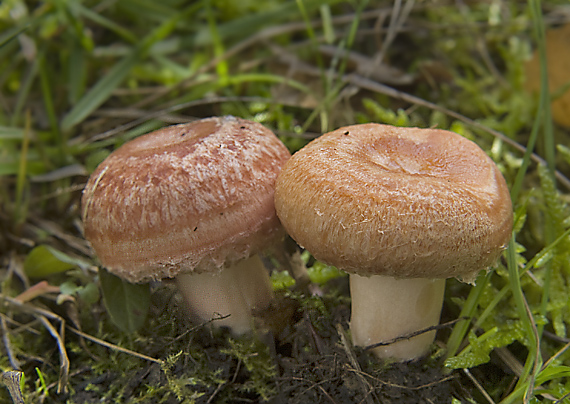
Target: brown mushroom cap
374,199
187,197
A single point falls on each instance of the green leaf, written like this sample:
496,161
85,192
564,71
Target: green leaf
479,349
552,372
103,21
127,303
386,115
564,152
281,280
88,293
44,260
321,273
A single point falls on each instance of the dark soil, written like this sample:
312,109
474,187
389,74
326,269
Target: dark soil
312,360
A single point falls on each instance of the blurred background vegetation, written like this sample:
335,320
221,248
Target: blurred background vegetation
80,78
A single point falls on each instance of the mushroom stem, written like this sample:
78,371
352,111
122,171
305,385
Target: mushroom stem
236,291
384,308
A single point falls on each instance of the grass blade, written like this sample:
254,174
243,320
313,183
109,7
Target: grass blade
101,91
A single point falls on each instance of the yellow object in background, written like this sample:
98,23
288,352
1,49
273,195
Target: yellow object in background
558,56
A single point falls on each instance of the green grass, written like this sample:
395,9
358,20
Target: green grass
78,79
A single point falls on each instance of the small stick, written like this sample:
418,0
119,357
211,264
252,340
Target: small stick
346,345
39,289
11,378
43,315
112,346
479,387
7,344
59,338
414,334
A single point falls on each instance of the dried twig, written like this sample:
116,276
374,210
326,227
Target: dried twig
59,337
479,387
399,386
54,229
313,385
347,346
398,17
561,399
414,334
43,315
39,289
6,339
11,379
112,346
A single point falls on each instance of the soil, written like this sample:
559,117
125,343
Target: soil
311,360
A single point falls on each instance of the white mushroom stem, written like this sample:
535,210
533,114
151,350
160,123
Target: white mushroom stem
384,308
236,291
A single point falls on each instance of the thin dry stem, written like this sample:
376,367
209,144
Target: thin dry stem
399,386
43,315
11,380
415,333
7,344
347,346
479,387
59,337
113,346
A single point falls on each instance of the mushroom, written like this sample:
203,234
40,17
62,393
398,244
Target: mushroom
195,202
401,210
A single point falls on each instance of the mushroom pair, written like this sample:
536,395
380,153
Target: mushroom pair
401,210
194,202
